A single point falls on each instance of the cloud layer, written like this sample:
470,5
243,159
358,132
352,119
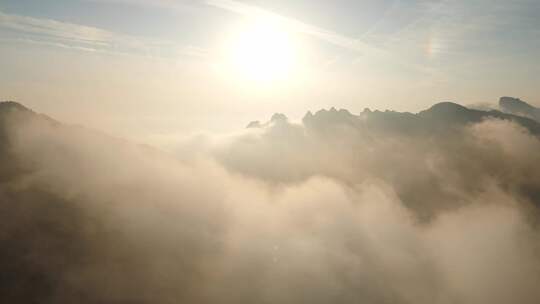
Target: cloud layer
287,213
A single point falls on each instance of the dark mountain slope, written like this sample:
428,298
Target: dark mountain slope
63,235
441,117
518,107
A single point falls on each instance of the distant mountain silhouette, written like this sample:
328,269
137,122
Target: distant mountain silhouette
332,116
518,107
277,118
441,117
446,113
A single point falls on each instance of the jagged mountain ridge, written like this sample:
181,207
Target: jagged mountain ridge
440,117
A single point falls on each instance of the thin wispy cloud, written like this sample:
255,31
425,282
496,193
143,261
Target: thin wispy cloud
362,48
58,30
461,23
251,11
86,38
325,35
46,43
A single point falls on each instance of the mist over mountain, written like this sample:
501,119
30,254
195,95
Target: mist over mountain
519,107
379,207
441,117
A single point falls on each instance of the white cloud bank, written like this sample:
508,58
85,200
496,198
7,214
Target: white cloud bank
286,214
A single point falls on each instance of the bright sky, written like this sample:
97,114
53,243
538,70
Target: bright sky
158,68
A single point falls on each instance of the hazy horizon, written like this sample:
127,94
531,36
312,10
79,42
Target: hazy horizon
139,68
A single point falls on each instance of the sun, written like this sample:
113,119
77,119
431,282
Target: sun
262,51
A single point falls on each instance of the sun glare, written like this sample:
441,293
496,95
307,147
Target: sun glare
262,51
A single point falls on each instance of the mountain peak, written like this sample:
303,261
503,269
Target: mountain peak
278,117
517,106
324,118
450,112
254,125
509,100
447,107
12,105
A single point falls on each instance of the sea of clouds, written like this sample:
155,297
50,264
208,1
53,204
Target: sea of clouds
284,213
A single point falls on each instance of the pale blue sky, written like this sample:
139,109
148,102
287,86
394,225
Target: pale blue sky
149,66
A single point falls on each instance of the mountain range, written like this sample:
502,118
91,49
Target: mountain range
440,117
